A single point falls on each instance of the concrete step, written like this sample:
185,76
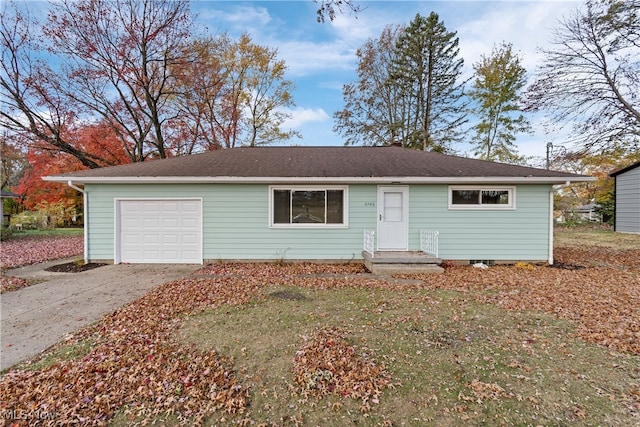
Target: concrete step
390,269
405,262
401,257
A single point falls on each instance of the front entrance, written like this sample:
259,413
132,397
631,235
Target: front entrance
393,218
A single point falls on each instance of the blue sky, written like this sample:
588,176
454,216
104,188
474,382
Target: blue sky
321,57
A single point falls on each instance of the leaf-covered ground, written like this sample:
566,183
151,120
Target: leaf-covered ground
32,250
598,288
135,368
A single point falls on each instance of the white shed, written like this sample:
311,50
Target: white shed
627,188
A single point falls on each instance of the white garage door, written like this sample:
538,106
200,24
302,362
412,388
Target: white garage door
160,231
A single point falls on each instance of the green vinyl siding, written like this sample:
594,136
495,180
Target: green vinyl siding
483,234
236,223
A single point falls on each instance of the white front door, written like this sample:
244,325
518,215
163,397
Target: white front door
393,218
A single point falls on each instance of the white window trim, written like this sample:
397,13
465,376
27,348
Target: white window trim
345,205
512,198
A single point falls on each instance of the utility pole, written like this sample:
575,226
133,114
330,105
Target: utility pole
559,150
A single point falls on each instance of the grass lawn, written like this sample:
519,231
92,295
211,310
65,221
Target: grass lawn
595,236
450,360
307,345
54,232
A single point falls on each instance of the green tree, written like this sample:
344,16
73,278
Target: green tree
375,111
408,89
495,92
427,69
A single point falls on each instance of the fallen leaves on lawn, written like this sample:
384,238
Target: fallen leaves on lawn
625,259
327,364
10,283
603,298
31,250
485,391
281,270
137,365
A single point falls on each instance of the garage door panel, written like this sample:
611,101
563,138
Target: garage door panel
170,222
189,223
151,207
131,239
151,239
131,223
151,223
170,239
160,231
191,207
190,239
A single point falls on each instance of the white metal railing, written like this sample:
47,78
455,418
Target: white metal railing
429,242
370,242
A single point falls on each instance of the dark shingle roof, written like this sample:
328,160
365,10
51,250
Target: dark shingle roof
9,195
314,162
626,169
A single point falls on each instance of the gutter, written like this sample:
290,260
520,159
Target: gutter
386,180
566,184
85,219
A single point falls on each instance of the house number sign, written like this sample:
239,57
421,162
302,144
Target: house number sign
370,204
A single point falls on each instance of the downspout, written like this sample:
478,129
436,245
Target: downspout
85,219
566,184
615,203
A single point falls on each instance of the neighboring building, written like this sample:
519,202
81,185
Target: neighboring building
317,203
627,190
588,212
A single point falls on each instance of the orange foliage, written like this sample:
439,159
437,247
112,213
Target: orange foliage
97,140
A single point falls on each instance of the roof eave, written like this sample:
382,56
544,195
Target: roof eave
554,180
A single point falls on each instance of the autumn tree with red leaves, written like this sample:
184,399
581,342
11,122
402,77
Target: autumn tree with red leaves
53,198
136,66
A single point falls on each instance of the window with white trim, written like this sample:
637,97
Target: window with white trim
485,197
308,206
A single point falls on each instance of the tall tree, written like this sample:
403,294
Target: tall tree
427,69
99,139
499,79
268,93
118,55
408,89
134,65
13,162
30,106
591,76
233,93
375,111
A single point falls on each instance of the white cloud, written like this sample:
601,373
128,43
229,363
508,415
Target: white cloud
240,18
305,57
301,116
357,30
526,25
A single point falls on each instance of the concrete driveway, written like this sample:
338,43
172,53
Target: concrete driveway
36,317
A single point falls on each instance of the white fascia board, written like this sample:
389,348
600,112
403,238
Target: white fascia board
318,180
